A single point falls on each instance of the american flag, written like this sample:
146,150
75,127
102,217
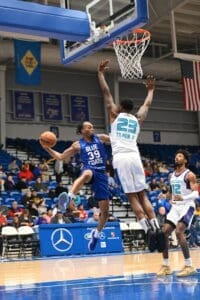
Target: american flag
191,84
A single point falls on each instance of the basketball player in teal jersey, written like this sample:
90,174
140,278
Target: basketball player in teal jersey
93,159
184,191
124,131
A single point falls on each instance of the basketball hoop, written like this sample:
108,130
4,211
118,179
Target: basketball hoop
129,52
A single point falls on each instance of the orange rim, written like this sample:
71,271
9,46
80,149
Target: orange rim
138,41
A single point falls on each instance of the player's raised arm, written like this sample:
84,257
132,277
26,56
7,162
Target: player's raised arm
108,99
104,138
143,110
74,148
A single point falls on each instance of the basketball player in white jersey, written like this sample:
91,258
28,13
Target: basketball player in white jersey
124,131
184,191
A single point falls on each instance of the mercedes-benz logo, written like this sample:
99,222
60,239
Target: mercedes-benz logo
61,239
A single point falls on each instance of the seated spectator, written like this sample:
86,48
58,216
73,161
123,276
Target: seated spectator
163,201
59,218
161,215
82,213
13,167
42,219
154,186
49,215
15,210
95,217
35,198
22,185
25,172
155,165
3,219
26,198
43,166
39,186
15,222
26,219
34,168
71,212
9,184
60,188
58,170
163,168
41,207
148,170
92,202
162,184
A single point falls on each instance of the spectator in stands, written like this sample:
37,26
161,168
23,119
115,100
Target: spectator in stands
163,168
35,169
155,165
22,185
15,222
3,219
58,170
26,199
9,184
49,215
59,218
148,170
36,198
39,186
154,186
92,202
94,218
82,212
25,172
26,219
42,219
162,184
13,167
161,216
71,212
15,210
41,207
194,238
73,168
60,189
44,170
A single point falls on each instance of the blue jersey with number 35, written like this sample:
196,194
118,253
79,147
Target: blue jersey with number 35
93,154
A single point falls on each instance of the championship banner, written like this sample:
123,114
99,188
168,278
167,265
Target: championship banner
23,105
27,62
52,107
79,108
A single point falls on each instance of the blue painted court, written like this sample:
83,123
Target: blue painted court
129,287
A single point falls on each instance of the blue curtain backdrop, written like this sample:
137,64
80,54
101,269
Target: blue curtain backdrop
27,62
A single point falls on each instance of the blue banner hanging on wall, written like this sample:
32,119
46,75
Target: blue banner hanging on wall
27,62
79,108
24,105
52,107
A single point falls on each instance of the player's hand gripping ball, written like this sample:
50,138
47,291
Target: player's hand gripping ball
48,139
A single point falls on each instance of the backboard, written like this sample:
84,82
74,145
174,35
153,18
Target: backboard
109,20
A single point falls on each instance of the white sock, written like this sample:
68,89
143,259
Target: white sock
96,234
166,262
154,224
71,195
188,262
145,225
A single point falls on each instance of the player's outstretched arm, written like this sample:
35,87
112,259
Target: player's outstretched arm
104,138
74,148
108,99
143,110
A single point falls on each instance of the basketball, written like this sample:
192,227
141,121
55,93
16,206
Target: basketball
48,138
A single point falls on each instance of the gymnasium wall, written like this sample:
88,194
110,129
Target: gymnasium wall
166,115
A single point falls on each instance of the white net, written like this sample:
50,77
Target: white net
129,52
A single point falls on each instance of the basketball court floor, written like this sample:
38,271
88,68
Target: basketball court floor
122,276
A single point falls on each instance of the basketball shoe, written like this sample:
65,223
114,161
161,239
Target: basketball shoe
93,240
152,240
63,201
161,242
165,270
186,271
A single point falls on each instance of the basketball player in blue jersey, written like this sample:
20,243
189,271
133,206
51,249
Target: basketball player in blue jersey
93,158
184,191
124,131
